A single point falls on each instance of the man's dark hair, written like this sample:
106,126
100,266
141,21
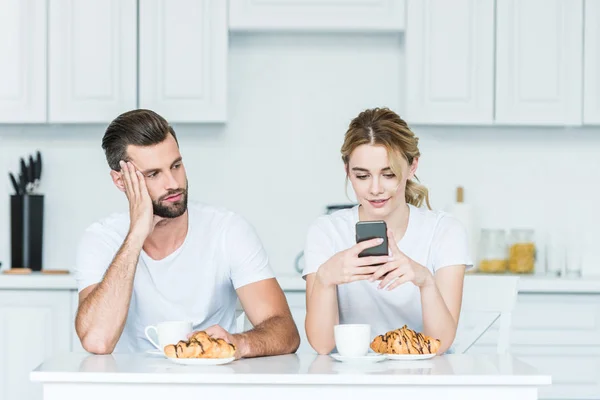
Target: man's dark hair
136,127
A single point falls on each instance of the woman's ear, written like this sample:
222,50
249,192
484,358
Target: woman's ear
413,168
117,179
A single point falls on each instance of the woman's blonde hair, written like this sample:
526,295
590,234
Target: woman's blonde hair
381,126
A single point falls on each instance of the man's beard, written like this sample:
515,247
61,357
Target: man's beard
171,210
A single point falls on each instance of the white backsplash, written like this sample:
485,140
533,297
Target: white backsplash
277,159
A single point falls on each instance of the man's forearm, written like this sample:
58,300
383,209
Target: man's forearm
102,315
274,336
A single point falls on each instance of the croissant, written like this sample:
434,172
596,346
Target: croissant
200,345
405,341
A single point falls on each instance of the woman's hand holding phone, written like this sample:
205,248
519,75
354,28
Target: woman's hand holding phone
346,266
401,270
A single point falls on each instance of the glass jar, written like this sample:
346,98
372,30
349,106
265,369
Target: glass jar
521,255
493,254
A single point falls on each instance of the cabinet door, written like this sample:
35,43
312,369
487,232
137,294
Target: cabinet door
35,326
183,59
92,59
331,15
558,334
539,62
591,59
23,61
297,303
450,61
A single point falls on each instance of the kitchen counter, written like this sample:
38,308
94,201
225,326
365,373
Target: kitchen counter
296,376
295,283
38,281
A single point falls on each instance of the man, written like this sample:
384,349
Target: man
166,261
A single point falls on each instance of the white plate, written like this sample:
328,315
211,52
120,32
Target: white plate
369,358
155,353
409,357
201,361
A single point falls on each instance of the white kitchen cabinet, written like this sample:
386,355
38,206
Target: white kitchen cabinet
591,63
92,59
450,61
183,59
539,52
23,61
320,15
558,334
35,325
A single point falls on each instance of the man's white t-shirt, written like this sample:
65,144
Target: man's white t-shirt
434,239
221,253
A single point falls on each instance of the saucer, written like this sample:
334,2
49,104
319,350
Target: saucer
369,358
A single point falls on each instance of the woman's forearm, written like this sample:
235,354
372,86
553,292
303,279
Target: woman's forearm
438,322
321,314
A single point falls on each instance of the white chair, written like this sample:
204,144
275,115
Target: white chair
491,298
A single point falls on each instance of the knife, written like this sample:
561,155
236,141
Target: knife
38,169
24,176
14,183
31,174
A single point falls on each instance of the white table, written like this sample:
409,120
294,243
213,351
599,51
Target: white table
290,377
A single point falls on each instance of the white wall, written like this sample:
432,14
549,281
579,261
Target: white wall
277,159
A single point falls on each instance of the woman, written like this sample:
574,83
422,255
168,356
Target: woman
420,282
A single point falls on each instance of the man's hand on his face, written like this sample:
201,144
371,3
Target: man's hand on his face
142,219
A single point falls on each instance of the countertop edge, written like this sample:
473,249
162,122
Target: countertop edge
277,379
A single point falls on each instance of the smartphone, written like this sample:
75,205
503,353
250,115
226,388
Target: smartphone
366,230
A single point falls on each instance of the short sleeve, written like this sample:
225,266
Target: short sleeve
450,245
318,248
95,253
248,260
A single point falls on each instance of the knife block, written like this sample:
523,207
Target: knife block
26,231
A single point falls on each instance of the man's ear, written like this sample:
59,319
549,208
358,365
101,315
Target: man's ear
117,179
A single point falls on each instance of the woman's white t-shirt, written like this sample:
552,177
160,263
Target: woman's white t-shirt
433,239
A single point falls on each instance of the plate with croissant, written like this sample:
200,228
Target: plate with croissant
201,349
405,344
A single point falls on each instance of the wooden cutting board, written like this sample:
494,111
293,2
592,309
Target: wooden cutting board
26,271
17,271
55,271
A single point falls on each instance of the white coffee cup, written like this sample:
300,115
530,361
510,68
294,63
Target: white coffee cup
168,332
352,340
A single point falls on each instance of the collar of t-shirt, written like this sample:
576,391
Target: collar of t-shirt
150,262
